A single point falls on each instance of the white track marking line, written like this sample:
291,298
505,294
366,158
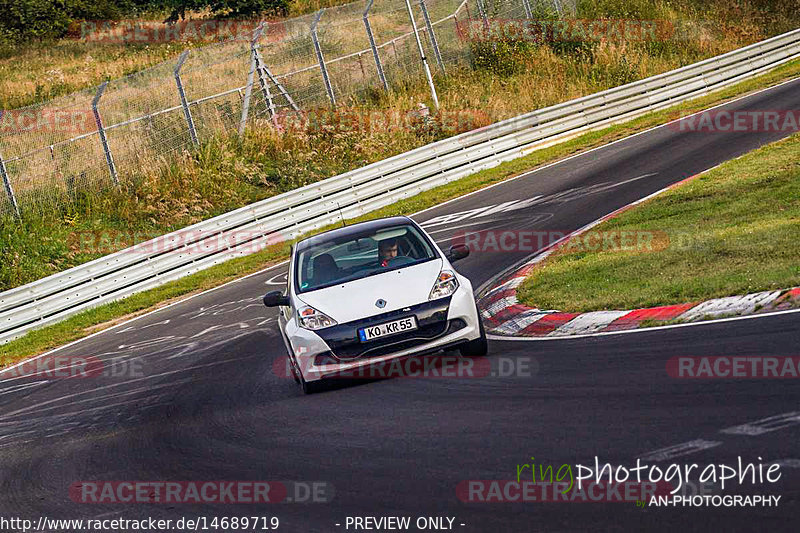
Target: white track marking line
103,398
787,463
6,416
17,388
149,313
765,425
679,450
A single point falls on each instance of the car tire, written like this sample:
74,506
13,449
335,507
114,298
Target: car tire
295,372
478,347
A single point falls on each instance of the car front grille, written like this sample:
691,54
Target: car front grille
431,323
452,326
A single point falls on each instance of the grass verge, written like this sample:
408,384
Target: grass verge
733,230
90,321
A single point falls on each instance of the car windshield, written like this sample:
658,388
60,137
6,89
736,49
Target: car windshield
360,255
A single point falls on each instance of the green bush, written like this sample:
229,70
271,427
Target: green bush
225,8
26,20
502,57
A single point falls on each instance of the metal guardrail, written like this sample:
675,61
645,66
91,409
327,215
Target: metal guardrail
366,189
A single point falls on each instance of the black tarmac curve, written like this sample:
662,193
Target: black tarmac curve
199,395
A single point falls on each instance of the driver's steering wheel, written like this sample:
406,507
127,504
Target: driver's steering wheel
399,261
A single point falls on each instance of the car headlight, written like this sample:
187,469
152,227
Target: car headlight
310,318
446,284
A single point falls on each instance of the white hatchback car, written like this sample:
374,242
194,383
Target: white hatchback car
363,294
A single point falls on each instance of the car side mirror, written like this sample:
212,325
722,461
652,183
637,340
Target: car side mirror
275,299
457,252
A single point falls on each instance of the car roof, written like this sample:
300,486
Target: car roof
347,231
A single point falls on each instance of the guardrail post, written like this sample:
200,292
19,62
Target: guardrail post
315,40
186,111
422,55
431,34
102,132
375,55
528,11
8,188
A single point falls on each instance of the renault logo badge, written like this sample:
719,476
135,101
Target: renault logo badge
381,303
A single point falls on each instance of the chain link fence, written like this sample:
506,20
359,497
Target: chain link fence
53,153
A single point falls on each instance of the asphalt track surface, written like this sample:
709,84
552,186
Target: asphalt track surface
200,397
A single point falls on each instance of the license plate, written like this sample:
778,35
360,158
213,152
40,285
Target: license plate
388,328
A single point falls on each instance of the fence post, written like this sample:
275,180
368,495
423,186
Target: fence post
375,55
321,59
186,111
9,189
248,90
279,85
261,81
431,35
265,90
485,16
361,65
102,132
422,55
528,11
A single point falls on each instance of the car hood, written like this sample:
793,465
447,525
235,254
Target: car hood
356,299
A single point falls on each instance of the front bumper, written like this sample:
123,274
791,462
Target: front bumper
440,323
345,345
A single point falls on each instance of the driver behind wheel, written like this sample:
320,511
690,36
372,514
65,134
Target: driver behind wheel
387,250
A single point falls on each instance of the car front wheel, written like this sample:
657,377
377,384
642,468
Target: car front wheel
478,347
